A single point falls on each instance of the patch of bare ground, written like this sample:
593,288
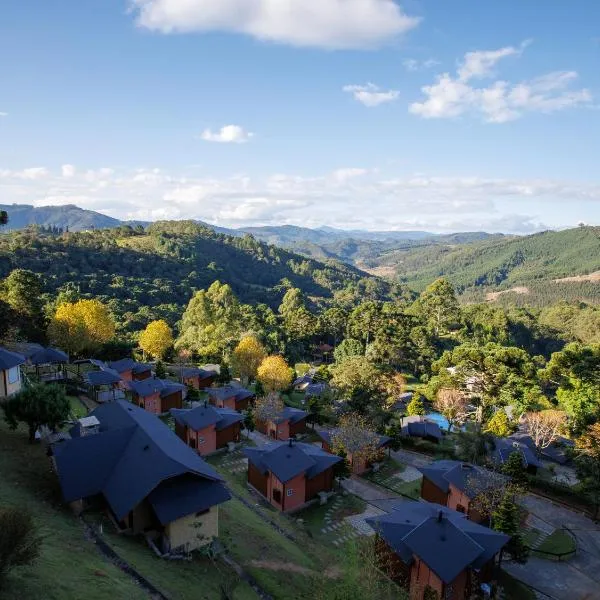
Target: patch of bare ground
493,296
275,565
382,271
593,277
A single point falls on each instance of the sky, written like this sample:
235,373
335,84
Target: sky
438,115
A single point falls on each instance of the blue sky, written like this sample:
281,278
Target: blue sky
426,114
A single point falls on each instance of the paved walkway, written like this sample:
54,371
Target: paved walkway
414,459
367,491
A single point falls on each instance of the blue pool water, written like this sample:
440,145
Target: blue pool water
441,421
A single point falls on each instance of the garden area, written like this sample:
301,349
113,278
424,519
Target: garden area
389,476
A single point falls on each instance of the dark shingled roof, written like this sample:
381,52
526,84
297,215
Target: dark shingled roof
443,539
134,456
466,477
293,415
286,462
424,429
46,356
315,389
9,359
203,416
120,366
230,391
556,452
147,387
141,368
506,446
105,377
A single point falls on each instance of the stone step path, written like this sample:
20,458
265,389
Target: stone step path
346,537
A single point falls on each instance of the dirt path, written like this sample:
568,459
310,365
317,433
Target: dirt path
274,565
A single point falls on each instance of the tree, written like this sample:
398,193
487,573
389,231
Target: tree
332,322
453,404
22,290
545,427
298,323
416,406
156,339
224,375
249,424
160,370
348,348
81,326
268,408
356,381
473,445
507,519
19,540
587,464
438,306
574,362
247,357
392,385
356,436
342,469
580,401
211,323
35,406
274,374
513,467
499,425
3,217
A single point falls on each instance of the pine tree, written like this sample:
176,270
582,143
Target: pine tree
507,519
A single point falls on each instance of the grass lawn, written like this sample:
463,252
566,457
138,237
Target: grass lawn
513,588
78,410
314,516
558,542
294,399
69,567
531,536
385,477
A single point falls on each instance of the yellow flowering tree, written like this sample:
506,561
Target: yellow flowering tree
274,374
81,326
156,339
247,357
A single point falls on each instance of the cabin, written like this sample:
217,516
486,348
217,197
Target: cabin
232,397
315,389
157,396
146,479
434,551
359,463
44,364
206,428
194,377
289,475
10,372
419,427
504,447
131,370
301,383
456,484
557,452
104,385
290,422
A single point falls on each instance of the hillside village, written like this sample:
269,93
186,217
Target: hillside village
355,446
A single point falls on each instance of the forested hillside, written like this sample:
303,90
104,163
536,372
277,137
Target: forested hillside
533,261
153,273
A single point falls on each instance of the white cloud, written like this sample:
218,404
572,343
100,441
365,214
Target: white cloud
31,173
349,198
501,101
371,95
3,114
413,64
68,171
228,134
332,24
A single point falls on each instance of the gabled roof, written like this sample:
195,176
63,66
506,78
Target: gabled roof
26,349
141,367
424,429
287,461
9,359
315,389
193,372
133,456
122,365
293,415
556,451
203,416
469,479
230,391
303,380
443,539
105,377
46,356
152,385
504,447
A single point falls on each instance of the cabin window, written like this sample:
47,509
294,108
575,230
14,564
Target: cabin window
277,496
13,375
200,440
290,491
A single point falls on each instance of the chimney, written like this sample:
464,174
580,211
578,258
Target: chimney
440,516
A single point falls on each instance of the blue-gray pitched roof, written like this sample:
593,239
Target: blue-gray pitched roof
504,447
133,455
105,377
122,365
203,416
293,415
315,389
147,387
9,359
424,429
286,462
443,539
469,479
229,391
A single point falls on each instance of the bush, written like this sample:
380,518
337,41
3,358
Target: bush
302,369
19,540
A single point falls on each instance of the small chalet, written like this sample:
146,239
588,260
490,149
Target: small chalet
301,383
315,389
46,364
10,372
455,484
358,464
207,428
104,385
130,370
194,377
418,426
289,423
157,396
557,452
229,396
145,477
504,447
428,549
290,474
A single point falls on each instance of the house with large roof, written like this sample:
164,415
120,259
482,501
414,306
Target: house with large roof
359,460
130,370
456,485
157,396
46,364
504,447
104,385
557,452
290,422
146,478
206,428
194,377
431,549
419,426
230,396
290,474
10,372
